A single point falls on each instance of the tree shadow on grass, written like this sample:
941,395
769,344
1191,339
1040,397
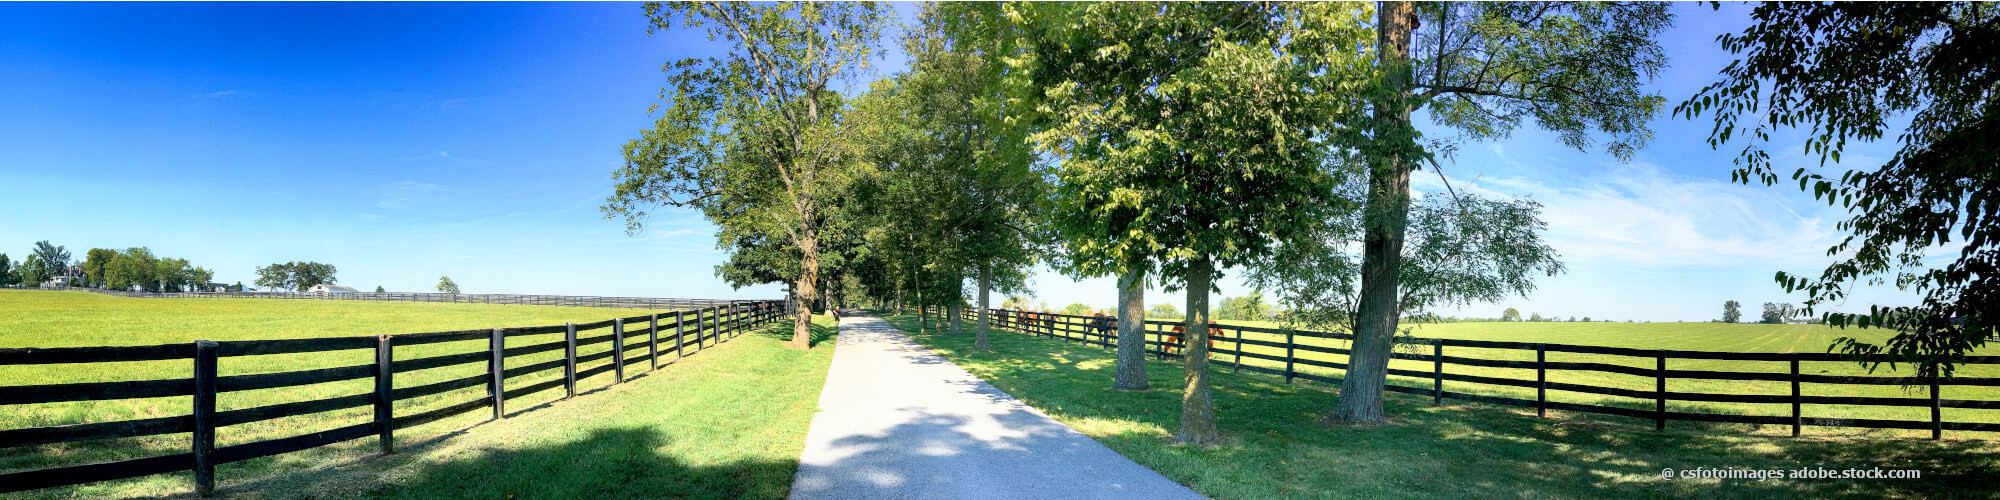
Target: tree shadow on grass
1278,449
782,330
624,462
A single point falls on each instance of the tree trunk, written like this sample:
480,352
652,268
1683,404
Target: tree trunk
956,307
1132,332
923,314
954,311
1197,405
808,276
985,286
1387,216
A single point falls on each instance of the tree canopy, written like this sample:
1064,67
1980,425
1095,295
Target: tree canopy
762,114
1848,71
1188,137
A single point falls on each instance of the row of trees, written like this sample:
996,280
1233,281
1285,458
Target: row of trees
1168,143
1774,312
1512,314
40,265
1160,143
134,268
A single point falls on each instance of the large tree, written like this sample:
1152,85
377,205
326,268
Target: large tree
1480,69
757,127
1851,71
94,263
1189,137
6,271
275,276
54,259
31,271
984,189
1732,312
310,274
135,266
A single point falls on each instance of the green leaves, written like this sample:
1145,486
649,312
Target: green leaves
754,138
1844,71
1187,130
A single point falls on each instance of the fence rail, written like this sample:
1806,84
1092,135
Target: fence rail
458,298
691,332
1102,332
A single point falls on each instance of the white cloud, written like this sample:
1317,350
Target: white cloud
1636,214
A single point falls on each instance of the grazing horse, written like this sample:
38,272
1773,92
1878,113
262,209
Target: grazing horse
1175,339
1103,324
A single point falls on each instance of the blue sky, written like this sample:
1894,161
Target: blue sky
402,142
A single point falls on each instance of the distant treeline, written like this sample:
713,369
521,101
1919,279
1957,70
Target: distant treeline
133,268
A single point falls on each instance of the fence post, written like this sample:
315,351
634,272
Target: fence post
499,367
1937,413
385,394
569,360
680,329
653,341
617,350
1660,390
1437,371
1162,353
204,417
1290,342
1541,380
1236,360
1797,419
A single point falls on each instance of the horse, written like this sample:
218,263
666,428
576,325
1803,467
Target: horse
1175,339
1103,324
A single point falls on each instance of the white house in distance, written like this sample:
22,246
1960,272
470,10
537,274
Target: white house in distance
323,289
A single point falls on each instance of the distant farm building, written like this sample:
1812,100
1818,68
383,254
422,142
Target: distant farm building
323,289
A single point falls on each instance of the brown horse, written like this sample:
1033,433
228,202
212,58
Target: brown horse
1176,339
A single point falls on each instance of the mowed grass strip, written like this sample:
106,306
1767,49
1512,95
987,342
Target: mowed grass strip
63,319
1275,448
727,424
1669,336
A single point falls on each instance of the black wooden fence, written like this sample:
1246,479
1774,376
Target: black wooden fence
458,298
691,331
1084,329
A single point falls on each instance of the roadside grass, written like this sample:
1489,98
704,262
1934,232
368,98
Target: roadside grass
60,319
730,423
1670,336
1276,449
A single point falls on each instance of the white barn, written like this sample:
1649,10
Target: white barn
324,289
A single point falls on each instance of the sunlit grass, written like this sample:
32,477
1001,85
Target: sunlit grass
1669,336
730,423
60,319
1275,448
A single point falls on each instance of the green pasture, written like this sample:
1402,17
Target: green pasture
1275,448
1669,336
65,319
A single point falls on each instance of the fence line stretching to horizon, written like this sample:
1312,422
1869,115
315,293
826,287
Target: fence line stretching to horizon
1080,329
456,298
692,332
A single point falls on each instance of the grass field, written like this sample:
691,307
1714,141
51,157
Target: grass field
1671,336
58,319
1275,449
728,424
